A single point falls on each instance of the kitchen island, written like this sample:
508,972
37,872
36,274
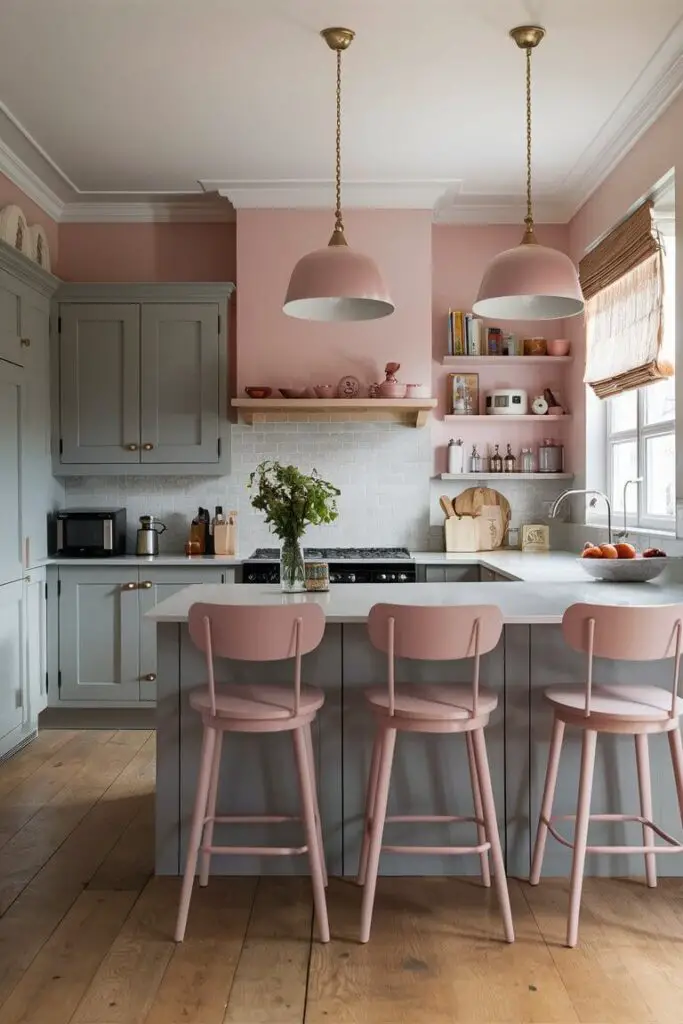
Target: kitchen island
430,773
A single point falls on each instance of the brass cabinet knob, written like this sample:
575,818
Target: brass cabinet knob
146,584
129,586
132,447
26,342
147,447
150,677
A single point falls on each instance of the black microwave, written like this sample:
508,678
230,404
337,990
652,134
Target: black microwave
87,532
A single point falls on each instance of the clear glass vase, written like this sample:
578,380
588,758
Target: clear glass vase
292,572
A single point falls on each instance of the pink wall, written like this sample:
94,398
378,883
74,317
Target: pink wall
11,193
659,149
459,256
274,349
147,252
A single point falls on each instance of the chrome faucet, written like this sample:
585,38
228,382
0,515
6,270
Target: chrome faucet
623,534
597,494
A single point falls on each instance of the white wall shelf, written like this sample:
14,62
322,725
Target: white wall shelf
413,411
505,476
527,418
461,362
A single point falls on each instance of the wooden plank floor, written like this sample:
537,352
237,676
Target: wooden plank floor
85,930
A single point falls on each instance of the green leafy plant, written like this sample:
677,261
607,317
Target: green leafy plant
291,500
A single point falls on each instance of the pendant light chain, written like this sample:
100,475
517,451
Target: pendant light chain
338,222
529,219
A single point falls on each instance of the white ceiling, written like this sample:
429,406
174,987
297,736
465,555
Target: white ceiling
128,100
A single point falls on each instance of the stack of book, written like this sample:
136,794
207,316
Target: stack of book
467,336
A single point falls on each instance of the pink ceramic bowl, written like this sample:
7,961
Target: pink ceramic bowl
388,390
294,392
325,391
558,347
418,391
256,392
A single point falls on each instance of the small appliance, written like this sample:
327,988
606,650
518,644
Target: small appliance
507,402
147,542
346,565
87,532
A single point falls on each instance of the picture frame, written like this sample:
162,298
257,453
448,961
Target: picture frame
535,538
463,394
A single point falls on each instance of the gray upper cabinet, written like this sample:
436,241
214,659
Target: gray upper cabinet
10,319
99,365
11,427
180,383
142,379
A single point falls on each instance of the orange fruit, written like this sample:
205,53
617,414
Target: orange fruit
608,551
625,550
592,552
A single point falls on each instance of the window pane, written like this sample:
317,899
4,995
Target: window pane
660,401
624,467
623,411
661,475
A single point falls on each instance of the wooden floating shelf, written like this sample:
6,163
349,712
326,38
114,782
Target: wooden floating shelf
462,361
506,476
518,418
412,411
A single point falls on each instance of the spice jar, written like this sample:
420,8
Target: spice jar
496,460
476,461
509,462
528,461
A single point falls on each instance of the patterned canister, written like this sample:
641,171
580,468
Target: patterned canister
317,576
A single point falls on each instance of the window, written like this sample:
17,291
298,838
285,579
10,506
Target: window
641,434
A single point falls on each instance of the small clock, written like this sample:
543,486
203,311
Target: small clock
539,406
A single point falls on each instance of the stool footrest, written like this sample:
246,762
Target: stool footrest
427,818
257,851
438,850
675,846
251,819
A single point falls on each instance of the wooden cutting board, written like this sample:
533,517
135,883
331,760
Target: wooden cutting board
472,500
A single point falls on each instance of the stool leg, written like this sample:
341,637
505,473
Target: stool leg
205,858
369,807
645,791
309,807
491,824
198,813
478,812
547,802
318,826
386,757
676,747
583,811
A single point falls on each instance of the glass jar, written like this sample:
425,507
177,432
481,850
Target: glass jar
528,464
292,569
496,460
509,462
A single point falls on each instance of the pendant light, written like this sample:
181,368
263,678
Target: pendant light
337,283
532,281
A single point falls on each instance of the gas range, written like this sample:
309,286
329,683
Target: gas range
347,565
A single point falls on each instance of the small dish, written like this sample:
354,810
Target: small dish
325,390
558,347
624,570
258,392
294,392
390,389
348,387
418,391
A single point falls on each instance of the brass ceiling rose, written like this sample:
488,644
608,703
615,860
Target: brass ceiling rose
527,36
338,38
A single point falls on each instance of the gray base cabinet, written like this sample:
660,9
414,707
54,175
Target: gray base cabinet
106,651
140,382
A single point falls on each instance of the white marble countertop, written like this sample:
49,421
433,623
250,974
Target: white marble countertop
202,561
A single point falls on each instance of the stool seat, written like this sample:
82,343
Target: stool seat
432,701
627,703
259,701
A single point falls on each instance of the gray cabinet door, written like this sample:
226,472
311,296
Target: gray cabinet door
11,427
10,319
180,383
35,646
99,621
155,586
11,652
99,383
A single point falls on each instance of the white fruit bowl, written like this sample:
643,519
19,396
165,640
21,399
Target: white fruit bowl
624,570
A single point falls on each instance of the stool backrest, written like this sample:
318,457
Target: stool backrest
626,633
435,633
256,633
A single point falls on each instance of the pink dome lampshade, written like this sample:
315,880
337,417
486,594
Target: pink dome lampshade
530,282
336,284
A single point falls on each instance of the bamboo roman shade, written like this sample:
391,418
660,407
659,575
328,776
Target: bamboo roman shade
622,282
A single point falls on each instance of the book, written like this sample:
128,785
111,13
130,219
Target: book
458,328
494,341
476,328
468,334
450,332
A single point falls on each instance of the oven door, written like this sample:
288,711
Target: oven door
84,536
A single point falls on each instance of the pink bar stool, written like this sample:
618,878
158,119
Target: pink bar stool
432,634
620,633
246,633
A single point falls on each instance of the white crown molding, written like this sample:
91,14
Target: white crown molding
28,181
655,89
504,209
319,195
202,211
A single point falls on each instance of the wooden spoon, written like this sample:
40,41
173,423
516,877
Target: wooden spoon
447,506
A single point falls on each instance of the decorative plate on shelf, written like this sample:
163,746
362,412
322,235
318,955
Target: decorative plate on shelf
14,228
348,387
38,246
